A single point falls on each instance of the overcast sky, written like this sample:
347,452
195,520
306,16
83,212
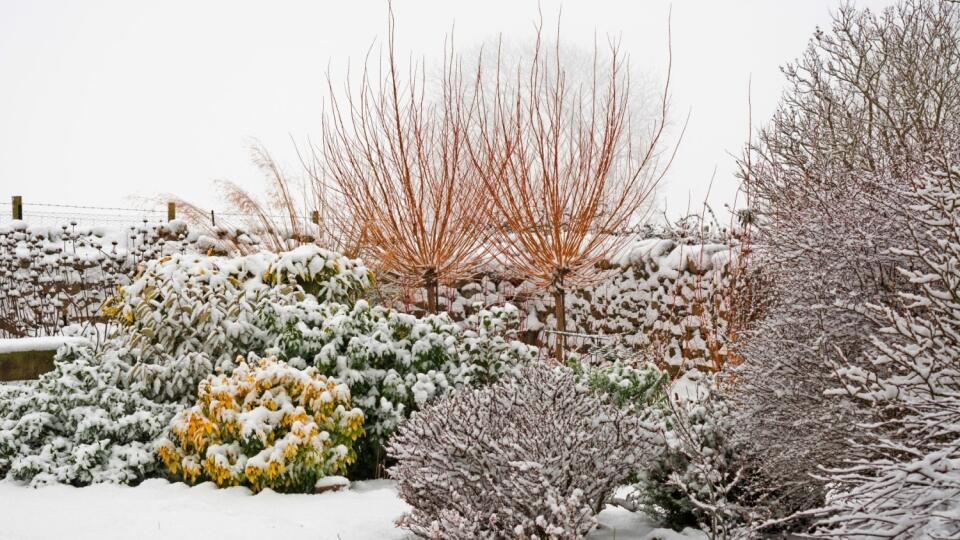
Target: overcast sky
101,101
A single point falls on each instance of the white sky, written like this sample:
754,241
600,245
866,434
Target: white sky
101,101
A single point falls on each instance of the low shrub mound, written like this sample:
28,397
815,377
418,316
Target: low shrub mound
266,425
533,456
77,426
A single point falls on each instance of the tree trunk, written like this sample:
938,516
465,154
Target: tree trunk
560,312
430,283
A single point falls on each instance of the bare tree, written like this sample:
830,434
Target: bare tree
398,161
904,479
864,101
562,168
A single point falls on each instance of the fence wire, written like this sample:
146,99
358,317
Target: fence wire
60,214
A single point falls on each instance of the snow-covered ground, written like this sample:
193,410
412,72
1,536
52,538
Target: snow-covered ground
158,509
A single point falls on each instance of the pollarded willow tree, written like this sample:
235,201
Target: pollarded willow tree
394,152
563,169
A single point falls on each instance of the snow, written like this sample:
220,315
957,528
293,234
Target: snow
157,509
48,343
328,482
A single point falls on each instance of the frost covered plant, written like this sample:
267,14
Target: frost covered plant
905,481
395,363
622,383
533,456
185,317
697,476
78,426
224,307
864,101
266,425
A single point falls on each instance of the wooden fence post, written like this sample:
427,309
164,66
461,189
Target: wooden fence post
17,207
171,211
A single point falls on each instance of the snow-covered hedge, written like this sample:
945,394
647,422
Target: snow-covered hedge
55,276
532,456
80,424
266,425
668,299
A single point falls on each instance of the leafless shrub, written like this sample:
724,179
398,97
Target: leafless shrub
905,480
863,103
534,456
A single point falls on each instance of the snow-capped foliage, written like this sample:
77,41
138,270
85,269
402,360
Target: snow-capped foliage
79,425
528,457
223,306
905,482
189,316
266,425
696,476
623,384
394,363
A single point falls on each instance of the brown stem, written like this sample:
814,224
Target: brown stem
430,283
559,304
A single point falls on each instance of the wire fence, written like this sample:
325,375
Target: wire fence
60,214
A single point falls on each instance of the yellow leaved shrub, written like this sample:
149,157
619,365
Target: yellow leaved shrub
266,425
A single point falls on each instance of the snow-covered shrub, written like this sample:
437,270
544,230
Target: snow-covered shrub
79,425
266,425
863,102
224,307
905,479
696,476
622,383
182,319
533,456
394,363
